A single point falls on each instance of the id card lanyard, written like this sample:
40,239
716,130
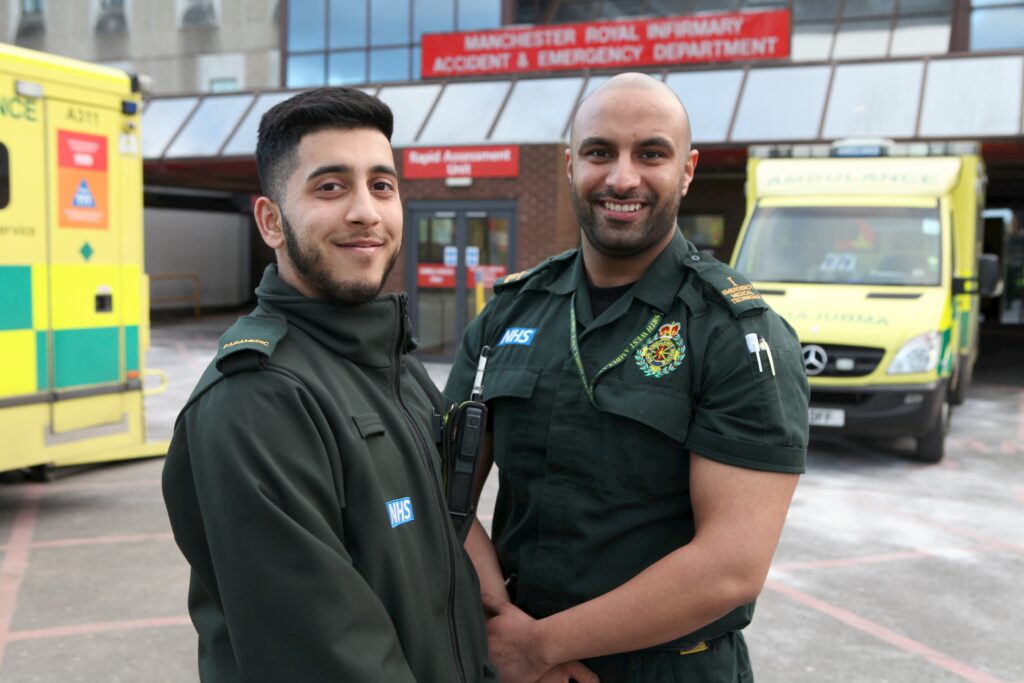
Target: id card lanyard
574,344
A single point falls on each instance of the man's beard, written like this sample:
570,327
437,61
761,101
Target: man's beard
308,263
624,241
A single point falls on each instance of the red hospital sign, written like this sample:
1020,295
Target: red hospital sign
609,44
501,161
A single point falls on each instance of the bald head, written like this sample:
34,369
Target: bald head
638,90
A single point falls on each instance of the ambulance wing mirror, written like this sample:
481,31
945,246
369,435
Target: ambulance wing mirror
989,283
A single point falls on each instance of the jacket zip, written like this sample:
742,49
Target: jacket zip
438,494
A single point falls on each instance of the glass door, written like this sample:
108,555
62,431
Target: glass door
458,255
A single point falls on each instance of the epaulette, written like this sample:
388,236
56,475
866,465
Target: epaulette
741,297
250,342
524,275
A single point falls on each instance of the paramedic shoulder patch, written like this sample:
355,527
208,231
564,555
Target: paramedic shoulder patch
250,342
738,293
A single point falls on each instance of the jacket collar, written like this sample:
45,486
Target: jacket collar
367,334
658,285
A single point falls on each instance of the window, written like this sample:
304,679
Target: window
225,84
347,21
210,126
973,96
874,100
198,13
31,25
415,102
843,245
997,28
763,115
432,16
705,231
523,121
389,22
372,40
5,177
477,15
305,71
305,26
109,17
710,98
346,68
161,119
389,64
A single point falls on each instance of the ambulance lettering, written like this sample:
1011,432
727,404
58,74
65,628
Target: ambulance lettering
518,335
400,511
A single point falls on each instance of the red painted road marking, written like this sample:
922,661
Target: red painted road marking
1011,447
890,557
104,627
976,445
98,540
15,562
882,633
928,521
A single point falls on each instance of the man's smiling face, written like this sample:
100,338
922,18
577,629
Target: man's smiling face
341,216
629,167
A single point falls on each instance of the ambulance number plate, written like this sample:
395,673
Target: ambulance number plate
826,417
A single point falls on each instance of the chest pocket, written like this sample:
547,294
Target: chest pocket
386,468
642,438
519,418
368,424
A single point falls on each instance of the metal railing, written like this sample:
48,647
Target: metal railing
193,298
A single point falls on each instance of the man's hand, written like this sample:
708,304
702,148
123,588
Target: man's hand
514,647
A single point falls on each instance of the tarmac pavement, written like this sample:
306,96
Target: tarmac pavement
889,571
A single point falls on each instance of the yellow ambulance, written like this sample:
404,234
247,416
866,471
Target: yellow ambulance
74,320
872,251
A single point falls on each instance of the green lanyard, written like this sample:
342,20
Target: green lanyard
575,346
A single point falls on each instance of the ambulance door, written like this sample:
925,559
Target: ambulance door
23,301
86,294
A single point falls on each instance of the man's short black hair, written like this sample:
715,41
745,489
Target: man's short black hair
285,124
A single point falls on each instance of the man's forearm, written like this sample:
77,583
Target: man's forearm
677,595
723,567
481,551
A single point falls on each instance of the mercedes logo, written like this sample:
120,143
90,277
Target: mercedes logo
815,359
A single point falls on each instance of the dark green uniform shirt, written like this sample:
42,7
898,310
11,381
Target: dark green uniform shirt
302,487
594,481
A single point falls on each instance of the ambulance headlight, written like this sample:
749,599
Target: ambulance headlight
920,354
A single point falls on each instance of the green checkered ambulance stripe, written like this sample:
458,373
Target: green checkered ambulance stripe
15,297
946,354
42,364
88,356
131,348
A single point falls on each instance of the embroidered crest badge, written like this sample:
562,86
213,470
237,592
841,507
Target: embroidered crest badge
662,353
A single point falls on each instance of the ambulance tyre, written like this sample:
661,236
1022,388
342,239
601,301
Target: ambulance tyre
39,473
931,446
963,381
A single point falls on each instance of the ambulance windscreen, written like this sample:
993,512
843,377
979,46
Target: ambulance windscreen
843,245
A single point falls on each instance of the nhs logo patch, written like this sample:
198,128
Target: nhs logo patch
400,511
518,335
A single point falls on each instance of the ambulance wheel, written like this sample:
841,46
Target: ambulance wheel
963,381
931,446
39,473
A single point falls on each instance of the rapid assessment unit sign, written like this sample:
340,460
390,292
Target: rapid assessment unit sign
609,44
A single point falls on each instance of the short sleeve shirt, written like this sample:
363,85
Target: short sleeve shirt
594,473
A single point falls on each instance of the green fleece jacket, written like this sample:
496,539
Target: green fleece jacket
302,485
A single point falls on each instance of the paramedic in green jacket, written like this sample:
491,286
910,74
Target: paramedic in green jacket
649,424
302,482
